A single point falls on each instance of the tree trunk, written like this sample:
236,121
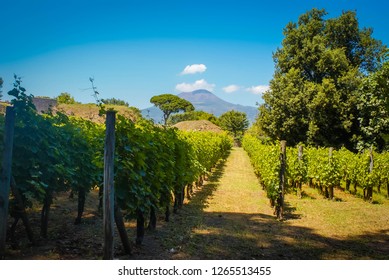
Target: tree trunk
14,242
45,213
122,230
319,187
153,219
178,200
348,183
368,193
331,192
21,210
300,189
326,192
140,227
81,205
167,213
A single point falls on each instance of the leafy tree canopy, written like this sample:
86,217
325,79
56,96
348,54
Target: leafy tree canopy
192,116
66,98
114,101
234,122
313,96
373,108
170,103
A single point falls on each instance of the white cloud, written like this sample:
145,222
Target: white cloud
194,68
231,88
199,84
258,89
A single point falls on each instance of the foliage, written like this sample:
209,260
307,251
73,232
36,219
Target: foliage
373,108
170,103
234,122
192,116
136,112
153,162
321,168
57,153
114,101
266,164
313,97
66,98
52,153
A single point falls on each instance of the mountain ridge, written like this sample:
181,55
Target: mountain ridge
204,100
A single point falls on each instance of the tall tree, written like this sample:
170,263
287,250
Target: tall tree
234,122
373,108
66,98
313,96
170,104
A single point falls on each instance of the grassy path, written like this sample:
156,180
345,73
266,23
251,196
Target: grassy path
237,213
230,218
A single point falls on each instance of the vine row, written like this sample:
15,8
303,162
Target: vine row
322,168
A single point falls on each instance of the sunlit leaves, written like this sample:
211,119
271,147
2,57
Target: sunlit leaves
152,162
313,97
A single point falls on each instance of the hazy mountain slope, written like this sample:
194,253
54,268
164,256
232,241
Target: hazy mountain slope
205,101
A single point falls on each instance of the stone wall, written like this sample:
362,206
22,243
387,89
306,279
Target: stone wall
44,104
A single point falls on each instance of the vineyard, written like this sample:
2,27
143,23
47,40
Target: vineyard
55,202
324,169
55,154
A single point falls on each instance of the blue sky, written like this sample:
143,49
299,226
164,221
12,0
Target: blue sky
136,49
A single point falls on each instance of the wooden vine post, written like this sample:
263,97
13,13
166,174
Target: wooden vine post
109,195
330,191
369,191
5,176
282,176
300,158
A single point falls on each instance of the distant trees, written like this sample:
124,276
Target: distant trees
66,98
234,122
315,94
169,103
192,116
114,101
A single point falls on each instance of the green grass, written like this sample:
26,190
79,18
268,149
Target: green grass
230,218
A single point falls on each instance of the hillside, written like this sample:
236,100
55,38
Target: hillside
204,100
200,125
91,111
